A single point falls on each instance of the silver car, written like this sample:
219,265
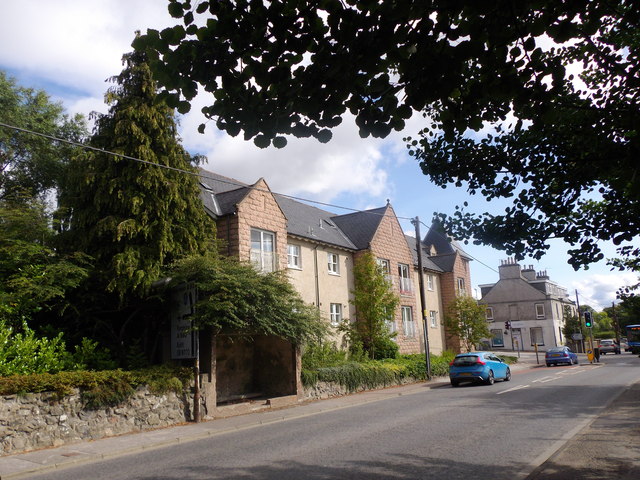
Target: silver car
609,346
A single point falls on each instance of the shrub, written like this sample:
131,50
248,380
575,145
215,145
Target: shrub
98,389
385,347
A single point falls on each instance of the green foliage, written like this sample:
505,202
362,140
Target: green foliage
375,373
604,334
134,218
627,312
100,389
323,354
385,347
375,304
36,279
31,165
572,324
22,352
466,319
287,67
234,297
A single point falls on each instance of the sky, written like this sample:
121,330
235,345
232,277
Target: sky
69,48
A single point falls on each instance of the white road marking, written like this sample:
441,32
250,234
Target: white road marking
520,387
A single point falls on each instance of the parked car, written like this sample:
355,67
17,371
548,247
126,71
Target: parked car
479,367
624,345
560,355
609,346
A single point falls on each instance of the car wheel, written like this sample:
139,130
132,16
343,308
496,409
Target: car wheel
454,383
490,379
508,375
549,364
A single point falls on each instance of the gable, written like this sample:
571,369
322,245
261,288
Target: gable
512,290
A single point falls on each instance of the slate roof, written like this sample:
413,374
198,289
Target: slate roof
312,223
220,194
353,231
427,261
360,227
442,242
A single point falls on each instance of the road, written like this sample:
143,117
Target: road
494,432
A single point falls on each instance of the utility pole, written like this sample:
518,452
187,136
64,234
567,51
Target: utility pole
423,303
616,325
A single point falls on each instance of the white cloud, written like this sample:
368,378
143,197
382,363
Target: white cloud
74,43
599,290
304,167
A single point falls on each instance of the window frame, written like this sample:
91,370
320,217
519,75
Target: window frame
262,252
537,329
461,285
433,318
489,314
297,264
538,314
408,322
405,284
333,267
430,282
500,335
335,314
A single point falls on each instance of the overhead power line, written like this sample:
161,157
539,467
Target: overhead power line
229,181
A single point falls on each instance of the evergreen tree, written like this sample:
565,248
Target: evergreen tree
133,217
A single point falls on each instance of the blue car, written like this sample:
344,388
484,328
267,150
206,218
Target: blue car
479,367
558,355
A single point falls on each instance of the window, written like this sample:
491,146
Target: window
336,314
489,314
497,339
433,319
405,280
262,250
384,265
293,256
408,325
429,282
462,290
539,310
536,336
333,263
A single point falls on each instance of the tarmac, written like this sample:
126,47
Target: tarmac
608,447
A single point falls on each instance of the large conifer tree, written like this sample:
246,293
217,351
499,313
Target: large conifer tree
133,217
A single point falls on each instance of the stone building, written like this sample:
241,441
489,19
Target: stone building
318,249
533,305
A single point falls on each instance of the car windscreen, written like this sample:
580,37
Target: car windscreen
466,360
555,350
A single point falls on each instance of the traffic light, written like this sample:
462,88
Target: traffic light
587,320
507,325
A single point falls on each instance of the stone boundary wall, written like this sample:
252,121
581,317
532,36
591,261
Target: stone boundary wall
40,420
324,390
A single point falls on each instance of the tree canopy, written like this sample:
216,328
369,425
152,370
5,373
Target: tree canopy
233,297
376,304
532,100
134,218
32,165
466,319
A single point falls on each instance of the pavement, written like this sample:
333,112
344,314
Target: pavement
608,447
